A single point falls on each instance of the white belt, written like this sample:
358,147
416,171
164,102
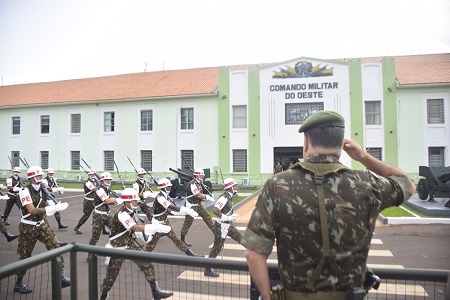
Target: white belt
90,199
101,212
34,223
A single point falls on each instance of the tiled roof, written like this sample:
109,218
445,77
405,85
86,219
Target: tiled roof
128,86
410,70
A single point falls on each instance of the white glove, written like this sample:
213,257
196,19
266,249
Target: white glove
5,197
140,235
210,198
17,189
51,209
226,218
148,194
151,229
119,201
60,190
188,211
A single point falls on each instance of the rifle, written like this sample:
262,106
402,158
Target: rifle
12,165
98,178
97,181
25,163
120,177
201,182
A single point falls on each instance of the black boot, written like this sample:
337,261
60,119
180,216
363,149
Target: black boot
5,220
157,293
65,281
106,230
10,237
77,230
210,273
20,287
61,225
104,296
183,239
372,281
61,243
446,205
190,253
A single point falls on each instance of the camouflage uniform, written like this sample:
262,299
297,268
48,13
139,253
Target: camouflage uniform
233,232
52,184
88,202
141,187
29,234
287,211
100,216
197,206
13,196
160,215
124,241
3,227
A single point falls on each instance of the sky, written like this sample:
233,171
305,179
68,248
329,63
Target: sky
51,40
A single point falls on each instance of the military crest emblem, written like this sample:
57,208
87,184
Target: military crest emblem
303,69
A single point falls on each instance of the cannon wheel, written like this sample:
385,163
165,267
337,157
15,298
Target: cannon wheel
423,189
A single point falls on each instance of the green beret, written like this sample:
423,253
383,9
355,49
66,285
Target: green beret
323,118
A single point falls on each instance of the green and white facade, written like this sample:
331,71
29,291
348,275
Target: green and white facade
242,128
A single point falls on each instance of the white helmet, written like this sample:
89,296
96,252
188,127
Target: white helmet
229,182
16,169
141,171
34,171
199,171
50,171
91,172
163,183
129,194
105,175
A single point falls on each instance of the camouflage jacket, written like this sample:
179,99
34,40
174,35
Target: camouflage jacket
194,199
36,197
287,212
117,228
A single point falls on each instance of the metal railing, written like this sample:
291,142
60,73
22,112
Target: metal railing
183,276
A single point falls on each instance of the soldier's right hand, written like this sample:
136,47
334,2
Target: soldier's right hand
5,197
17,189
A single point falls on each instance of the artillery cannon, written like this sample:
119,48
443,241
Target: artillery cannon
436,183
184,177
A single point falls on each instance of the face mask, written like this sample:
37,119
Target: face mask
35,186
134,207
38,180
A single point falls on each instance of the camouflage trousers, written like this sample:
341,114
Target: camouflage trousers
171,235
146,209
115,264
88,207
219,241
29,235
98,222
58,216
9,205
3,227
202,212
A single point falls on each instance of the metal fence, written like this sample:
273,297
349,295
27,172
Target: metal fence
181,275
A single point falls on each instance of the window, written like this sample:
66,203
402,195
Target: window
74,160
375,152
16,125
109,122
240,160
109,160
373,112
296,113
435,111
187,118
45,124
75,123
146,120
44,159
187,159
146,159
436,157
15,159
240,116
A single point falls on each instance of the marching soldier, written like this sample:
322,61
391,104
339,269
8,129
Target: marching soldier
161,212
53,188
140,186
4,229
90,187
14,185
122,227
33,225
102,200
223,226
194,196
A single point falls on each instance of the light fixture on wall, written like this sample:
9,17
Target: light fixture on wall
390,89
224,97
